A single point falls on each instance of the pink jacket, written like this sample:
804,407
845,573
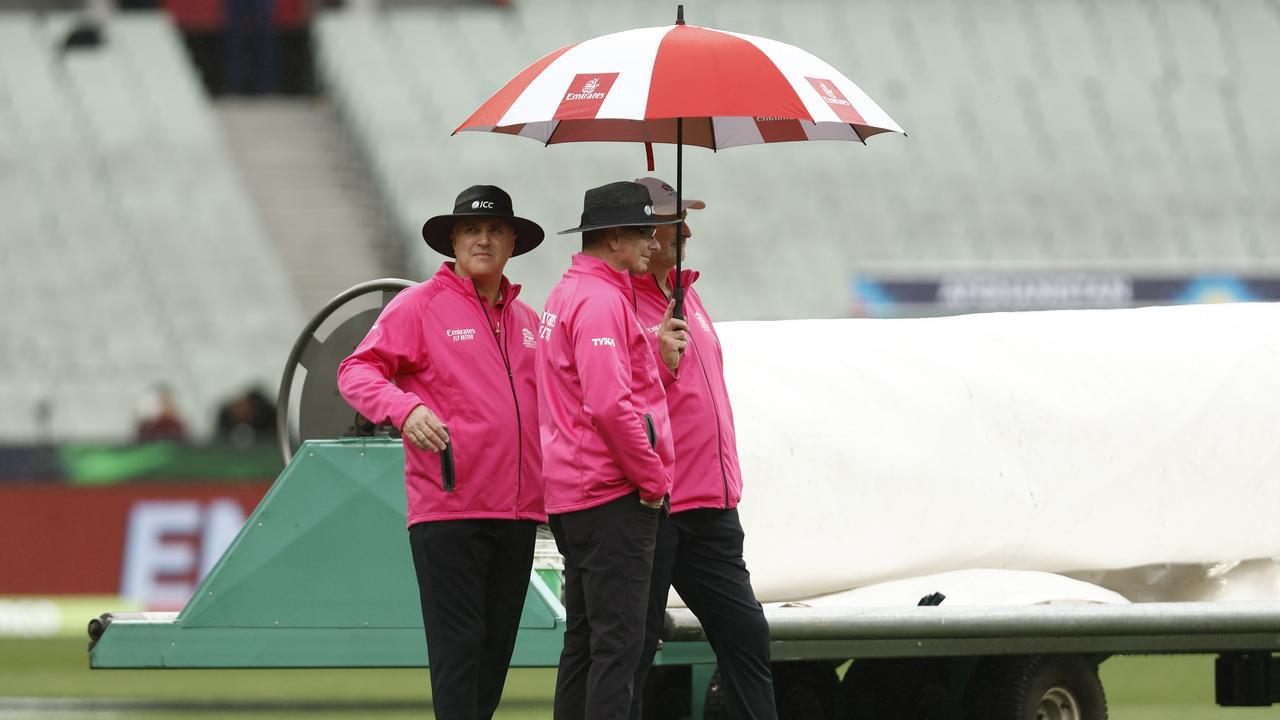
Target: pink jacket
701,416
435,345
600,394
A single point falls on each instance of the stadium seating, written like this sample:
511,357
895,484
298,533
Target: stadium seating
1124,135
132,254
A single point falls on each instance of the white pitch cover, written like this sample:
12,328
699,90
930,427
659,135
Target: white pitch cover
1055,441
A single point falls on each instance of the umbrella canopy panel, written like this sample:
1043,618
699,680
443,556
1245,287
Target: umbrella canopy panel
729,88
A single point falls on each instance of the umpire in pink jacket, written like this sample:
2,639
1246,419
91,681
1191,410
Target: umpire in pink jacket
607,450
450,362
699,547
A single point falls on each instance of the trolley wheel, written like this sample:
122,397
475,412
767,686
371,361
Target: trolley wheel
1037,687
666,693
807,690
904,689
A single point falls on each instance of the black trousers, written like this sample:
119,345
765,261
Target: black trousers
472,580
608,552
699,552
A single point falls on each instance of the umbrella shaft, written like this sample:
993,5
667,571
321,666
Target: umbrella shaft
678,291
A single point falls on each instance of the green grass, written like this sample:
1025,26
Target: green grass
1138,688
1168,688
59,668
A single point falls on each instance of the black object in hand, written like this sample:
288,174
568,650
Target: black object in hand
446,467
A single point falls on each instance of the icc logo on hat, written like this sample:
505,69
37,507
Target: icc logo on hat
477,204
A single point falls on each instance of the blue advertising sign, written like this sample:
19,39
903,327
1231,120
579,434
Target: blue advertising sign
955,293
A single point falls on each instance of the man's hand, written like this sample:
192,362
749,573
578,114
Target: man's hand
673,338
424,430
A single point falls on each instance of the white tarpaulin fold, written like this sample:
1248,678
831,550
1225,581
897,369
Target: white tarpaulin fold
1101,439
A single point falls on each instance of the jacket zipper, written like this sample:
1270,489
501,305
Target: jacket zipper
724,476
650,430
506,362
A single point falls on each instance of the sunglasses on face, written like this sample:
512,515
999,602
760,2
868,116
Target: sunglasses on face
646,230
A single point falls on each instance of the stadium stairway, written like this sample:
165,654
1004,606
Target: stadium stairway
314,194
132,255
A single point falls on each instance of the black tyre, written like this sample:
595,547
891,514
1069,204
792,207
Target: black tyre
807,691
1037,687
666,693
717,703
899,689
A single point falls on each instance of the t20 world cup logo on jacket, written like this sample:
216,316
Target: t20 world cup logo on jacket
584,96
547,325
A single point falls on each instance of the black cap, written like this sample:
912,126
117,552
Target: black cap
481,201
618,204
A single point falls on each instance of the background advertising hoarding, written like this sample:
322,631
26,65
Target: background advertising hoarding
147,543
955,293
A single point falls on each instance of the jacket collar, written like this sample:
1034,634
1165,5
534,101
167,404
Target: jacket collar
687,277
447,277
649,282
584,264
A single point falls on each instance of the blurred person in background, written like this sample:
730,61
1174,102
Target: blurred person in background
251,48
699,546
247,419
158,417
450,362
606,443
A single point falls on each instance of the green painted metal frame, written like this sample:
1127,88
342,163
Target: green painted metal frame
319,576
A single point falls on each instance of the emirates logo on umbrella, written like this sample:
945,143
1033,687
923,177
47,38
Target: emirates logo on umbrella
584,96
840,104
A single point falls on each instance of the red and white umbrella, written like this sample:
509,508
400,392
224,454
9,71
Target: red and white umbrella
681,84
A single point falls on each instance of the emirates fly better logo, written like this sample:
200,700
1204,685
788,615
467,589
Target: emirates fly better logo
584,96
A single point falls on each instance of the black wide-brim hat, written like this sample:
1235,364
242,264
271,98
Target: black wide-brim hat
481,201
618,204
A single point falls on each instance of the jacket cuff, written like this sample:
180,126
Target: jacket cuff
668,378
402,409
648,494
